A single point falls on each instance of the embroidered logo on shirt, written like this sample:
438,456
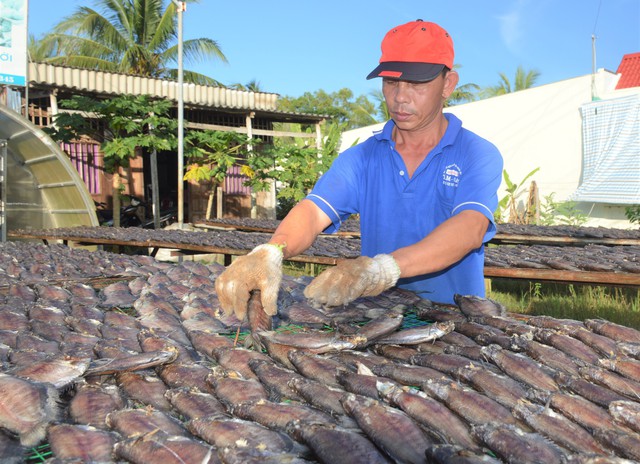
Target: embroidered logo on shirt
451,175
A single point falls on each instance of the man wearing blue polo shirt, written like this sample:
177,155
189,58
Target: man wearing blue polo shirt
425,189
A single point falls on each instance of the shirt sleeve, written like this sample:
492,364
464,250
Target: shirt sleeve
478,189
336,191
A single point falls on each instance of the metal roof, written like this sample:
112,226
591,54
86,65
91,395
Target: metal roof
109,83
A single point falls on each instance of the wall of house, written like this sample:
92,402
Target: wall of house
539,128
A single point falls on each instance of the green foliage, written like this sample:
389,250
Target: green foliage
121,124
295,169
126,36
509,201
523,80
212,153
633,214
564,212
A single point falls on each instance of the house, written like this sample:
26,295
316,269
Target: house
595,162
205,107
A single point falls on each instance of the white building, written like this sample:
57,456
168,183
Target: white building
550,127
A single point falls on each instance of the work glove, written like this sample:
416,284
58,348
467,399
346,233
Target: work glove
261,269
353,278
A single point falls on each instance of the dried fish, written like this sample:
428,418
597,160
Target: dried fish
417,335
184,375
237,359
581,411
567,344
472,352
501,388
81,442
520,368
629,368
321,396
547,355
144,388
603,345
259,321
135,362
390,429
626,444
27,407
333,445
91,404
381,326
471,305
224,432
626,413
279,415
205,343
396,352
472,406
314,342
155,447
438,420
445,363
60,371
193,404
275,379
593,392
317,367
406,374
454,454
557,428
515,446
617,383
612,330
232,389
137,422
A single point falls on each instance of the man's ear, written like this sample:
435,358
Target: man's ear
450,81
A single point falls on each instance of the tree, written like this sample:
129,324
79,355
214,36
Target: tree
212,153
523,80
128,36
122,125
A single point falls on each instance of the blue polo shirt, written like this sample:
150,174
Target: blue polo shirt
463,172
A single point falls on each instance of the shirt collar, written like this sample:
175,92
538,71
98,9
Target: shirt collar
453,128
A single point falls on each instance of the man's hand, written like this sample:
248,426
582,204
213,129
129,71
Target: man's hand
353,278
261,269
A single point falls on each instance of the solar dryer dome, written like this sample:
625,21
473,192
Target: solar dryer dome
42,188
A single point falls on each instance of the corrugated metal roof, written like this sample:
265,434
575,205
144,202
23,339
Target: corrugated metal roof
116,84
630,71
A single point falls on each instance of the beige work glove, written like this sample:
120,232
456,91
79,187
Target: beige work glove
261,269
353,278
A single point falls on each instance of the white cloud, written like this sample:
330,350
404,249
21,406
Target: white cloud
512,26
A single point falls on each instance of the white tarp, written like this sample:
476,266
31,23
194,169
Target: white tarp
611,152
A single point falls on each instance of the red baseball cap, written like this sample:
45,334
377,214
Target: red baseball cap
416,51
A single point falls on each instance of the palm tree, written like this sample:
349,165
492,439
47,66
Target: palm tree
462,94
523,80
128,36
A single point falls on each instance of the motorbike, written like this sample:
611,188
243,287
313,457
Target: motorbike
135,214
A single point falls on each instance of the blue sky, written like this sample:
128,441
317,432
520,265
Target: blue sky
292,47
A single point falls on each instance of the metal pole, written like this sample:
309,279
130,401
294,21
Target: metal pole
181,7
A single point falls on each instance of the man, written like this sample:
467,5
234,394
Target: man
425,190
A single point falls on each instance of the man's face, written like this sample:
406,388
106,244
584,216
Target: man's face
414,105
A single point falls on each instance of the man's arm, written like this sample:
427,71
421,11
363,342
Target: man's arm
299,228
445,245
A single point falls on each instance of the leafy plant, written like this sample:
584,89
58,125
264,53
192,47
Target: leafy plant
509,201
564,212
633,214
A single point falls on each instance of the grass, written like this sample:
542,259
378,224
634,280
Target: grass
578,302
